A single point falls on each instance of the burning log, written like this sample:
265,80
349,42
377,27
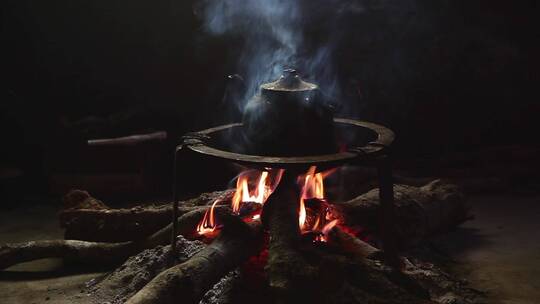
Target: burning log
86,218
94,252
351,245
420,211
297,270
287,268
190,280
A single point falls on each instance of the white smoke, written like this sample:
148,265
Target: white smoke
273,38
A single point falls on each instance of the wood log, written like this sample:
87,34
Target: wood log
131,140
95,252
187,282
369,262
421,281
352,245
87,252
86,218
420,211
288,271
138,270
496,169
356,181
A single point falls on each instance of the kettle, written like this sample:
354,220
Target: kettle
288,117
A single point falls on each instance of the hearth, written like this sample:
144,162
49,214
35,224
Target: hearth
370,146
288,129
277,236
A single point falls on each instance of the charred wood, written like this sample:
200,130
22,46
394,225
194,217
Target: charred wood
73,250
288,271
420,211
352,245
95,252
190,280
86,218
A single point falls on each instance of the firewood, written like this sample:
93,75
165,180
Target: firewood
293,271
129,140
87,252
88,219
122,283
470,180
95,252
352,245
420,211
288,271
359,249
187,282
116,225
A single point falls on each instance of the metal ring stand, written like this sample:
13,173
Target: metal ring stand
375,153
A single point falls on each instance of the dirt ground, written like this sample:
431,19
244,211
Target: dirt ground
41,281
498,252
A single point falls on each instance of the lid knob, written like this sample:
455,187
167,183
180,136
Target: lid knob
290,78
289,81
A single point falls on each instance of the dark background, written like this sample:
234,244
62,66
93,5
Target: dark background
447,76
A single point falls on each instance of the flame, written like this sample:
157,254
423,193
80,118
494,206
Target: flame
313,187
323,237
302,214
317,222
265,187
329,227
208,223
313,184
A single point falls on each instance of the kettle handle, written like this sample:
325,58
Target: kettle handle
235,87
235,91
235,82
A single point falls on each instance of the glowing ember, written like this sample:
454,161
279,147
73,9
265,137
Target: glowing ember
208,223
264,187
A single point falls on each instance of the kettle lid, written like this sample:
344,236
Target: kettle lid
289,81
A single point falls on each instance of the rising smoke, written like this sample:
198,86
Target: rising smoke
279,34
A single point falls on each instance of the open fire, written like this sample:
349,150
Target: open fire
253,189
208,223
265,183
314,213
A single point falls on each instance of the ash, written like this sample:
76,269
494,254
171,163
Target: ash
220,292
119,285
